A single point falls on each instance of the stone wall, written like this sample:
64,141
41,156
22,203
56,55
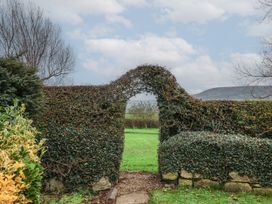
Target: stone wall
235,183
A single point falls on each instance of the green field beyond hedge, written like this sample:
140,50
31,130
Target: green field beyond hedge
140,152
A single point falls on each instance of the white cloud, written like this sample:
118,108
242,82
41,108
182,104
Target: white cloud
175,10
133,2
75,34
246,58
99,30
74,10
119,19
202,73
147,49
193,69
259,29
186,11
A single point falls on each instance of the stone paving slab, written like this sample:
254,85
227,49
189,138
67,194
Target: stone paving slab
140,197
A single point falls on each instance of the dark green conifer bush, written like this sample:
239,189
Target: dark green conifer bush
19,81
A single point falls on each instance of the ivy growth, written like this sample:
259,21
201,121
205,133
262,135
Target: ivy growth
96,115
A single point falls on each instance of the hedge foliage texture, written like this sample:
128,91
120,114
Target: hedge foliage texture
70,111
215,155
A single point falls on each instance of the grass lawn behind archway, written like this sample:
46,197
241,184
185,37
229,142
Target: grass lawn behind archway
140,150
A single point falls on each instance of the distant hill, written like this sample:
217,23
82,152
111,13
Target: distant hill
236,93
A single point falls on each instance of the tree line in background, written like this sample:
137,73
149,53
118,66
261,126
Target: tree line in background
142,114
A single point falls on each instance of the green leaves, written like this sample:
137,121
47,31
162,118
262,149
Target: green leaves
20,82
18,148
33,177
81,156
216,155
87,123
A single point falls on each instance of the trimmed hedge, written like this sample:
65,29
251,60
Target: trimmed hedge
83,106
102,108
83,128
216,155
81,156
253,118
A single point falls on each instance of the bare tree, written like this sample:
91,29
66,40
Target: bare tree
258,73
27,34
261,71
267,6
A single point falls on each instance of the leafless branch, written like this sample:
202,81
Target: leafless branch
26,33
260,73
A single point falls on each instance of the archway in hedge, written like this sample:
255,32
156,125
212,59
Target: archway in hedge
141,135
158,81
162,84
84,125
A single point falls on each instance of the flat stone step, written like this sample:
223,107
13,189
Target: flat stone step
140,197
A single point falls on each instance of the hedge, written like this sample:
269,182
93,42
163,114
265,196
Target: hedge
102,108
81,156
253,118
216,155
83,128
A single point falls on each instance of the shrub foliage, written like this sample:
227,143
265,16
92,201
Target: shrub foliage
101,110
20,82
20,168
215,155
85,139
82,156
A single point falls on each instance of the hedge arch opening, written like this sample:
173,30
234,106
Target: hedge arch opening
141,135
159,82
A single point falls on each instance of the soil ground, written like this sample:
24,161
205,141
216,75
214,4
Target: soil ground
132,188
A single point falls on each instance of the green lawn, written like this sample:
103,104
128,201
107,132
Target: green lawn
204,196
140,152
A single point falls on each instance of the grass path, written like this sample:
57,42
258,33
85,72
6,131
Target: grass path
140,151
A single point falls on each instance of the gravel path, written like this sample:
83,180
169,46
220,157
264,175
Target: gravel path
132,188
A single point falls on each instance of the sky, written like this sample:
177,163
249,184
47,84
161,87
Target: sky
199,41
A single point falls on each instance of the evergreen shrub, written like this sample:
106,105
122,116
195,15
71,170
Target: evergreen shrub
20,166
215,155
19,81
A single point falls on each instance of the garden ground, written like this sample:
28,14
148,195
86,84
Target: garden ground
138,174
